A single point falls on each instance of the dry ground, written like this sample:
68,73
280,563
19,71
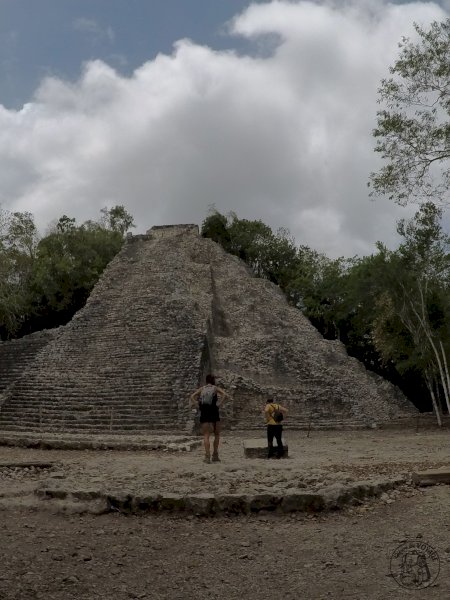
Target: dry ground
315,461
339,555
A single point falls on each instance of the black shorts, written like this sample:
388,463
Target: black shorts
209,418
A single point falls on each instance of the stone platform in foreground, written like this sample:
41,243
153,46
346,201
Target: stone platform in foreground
168,442
325,471
329,498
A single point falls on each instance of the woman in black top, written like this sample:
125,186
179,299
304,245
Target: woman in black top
208,402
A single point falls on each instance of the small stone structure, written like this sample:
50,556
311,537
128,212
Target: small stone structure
170,307
432,477
258,449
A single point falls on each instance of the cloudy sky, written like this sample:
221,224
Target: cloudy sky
170,106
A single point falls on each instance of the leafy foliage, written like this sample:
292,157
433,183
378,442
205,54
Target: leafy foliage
18,244
412,327
369,303
44,282
413,131
271,256
215,227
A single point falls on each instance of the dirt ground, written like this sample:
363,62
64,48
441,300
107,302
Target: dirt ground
345,554
315,461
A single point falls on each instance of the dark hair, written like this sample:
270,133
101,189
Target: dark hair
269,401
211,379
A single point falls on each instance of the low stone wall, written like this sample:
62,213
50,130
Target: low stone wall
331,498
46,441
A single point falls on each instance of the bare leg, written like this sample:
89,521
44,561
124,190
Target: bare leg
216,441
206,430
206,443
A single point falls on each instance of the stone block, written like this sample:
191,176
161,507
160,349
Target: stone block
302,502
264,502
233,503
431,477
24,465
201,504
51,493
258,449
120,501
150,502
172,502
87,495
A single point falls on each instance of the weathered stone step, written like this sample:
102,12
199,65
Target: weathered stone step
87,405
292,419
72,400
88,425
301,425
122,390
121,386
86,415
13,412
156,428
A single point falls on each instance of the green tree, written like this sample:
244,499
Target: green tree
215,227
20,236
249,240
44,282
321,290
65,224
270,255
18,243
413,131
117,218
412,326
68,264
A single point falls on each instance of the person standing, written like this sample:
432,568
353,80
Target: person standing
209,399
274,414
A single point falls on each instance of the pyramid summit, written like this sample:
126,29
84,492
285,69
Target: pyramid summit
169,308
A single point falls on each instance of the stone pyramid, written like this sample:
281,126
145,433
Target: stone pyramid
168,309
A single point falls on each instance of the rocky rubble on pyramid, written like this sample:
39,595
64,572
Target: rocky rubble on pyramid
169,308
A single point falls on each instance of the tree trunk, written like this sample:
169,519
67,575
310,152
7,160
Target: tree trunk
444,360
426,329
436,410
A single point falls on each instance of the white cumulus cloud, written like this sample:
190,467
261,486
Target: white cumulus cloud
283,135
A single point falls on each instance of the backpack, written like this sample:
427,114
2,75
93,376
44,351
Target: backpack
277,415
208,395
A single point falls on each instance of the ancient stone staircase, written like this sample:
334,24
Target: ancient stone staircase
17,354
169,308
129,359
